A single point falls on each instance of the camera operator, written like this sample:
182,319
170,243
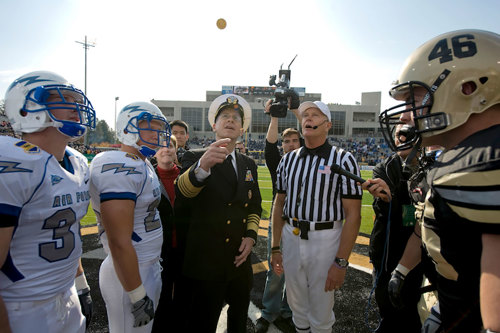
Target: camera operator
276,309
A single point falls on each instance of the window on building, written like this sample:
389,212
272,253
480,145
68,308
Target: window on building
208,128
290,121
363,116
260,121
167,112
192,116
338,123
364,131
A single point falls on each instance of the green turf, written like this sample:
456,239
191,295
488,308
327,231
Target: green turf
266,192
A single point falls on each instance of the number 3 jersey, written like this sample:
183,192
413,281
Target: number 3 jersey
117,175
45,203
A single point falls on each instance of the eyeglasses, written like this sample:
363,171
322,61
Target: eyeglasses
227,116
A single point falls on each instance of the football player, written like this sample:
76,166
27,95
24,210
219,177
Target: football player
125,192
450,88
44,193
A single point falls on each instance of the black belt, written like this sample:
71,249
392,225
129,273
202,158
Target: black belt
306,226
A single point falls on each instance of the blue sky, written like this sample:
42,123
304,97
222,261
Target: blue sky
173,50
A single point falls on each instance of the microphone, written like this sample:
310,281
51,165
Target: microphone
338,169
314,127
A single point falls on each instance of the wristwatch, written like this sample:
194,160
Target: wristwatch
341,262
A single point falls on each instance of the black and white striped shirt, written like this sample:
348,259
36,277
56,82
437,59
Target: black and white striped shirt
313,192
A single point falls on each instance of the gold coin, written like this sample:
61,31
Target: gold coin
221,23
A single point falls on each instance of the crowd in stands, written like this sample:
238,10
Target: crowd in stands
366,150
5,128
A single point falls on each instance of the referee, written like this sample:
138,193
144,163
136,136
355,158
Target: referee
310,207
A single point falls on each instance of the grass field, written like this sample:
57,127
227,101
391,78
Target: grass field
266,192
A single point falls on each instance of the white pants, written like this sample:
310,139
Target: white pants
306,264
59,314
118,305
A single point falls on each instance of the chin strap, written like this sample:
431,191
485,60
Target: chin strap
73,130
146,151
413,153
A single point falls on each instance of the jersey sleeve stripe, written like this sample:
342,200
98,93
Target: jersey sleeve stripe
6,209
483,216
475,179
10,270
118,196
465,196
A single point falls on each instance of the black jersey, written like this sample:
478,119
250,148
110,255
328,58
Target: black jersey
463,203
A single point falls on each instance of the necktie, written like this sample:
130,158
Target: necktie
229,164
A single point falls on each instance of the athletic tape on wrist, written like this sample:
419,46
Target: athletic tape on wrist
81,282
402,269
137,294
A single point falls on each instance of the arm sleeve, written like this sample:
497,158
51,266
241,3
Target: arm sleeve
187,185
255,207
272,156
349,188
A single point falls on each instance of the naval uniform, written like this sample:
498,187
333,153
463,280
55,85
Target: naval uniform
221,210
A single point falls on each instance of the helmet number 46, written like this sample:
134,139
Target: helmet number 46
461,48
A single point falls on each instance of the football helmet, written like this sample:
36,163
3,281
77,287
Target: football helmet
129,132
234,101
29,108
441,67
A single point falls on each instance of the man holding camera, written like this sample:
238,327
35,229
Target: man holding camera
276,309
309,210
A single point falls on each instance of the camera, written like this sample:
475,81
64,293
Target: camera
279,106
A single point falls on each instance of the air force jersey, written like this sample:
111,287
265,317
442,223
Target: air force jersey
44,202
117,175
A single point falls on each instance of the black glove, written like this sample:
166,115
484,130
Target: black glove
143,311
86,305
294,99
394,289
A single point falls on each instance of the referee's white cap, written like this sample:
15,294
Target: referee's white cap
317,105
234,101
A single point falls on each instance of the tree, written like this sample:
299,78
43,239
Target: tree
102,133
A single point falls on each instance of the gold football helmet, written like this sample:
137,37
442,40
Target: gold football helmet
442,66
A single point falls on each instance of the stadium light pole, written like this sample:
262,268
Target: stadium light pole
116,132
86,47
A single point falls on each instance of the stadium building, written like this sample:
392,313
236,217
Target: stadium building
359,120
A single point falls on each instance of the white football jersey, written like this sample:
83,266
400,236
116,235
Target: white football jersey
120,175
49,203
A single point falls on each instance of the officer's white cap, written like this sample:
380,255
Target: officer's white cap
237,102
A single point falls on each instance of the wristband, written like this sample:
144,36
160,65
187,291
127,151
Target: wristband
274,248
81,282
137,294
402,269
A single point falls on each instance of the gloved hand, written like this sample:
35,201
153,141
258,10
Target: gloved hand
83,291
143,311
394,288
86,305
294,99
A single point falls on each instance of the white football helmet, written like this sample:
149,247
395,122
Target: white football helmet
442,66
29,110
129,131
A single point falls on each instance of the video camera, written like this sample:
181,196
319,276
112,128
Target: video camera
279,107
